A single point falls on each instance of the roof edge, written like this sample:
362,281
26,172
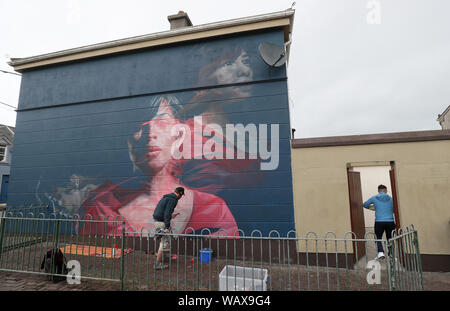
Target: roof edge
443,114
20,64
400,137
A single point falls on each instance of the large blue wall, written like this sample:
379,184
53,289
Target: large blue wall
74,121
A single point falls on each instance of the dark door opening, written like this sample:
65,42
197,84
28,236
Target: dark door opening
4,190
356,213
394,196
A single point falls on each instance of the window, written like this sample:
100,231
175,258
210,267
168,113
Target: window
2,152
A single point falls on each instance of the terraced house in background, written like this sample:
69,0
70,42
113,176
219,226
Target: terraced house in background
6,146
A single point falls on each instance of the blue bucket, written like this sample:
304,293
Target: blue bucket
206,254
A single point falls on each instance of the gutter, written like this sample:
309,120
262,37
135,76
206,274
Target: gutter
289,13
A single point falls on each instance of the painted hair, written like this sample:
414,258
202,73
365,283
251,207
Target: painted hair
206,175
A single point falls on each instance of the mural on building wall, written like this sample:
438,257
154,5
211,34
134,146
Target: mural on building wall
151,150
225,140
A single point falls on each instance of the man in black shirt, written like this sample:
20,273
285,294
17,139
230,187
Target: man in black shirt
162,216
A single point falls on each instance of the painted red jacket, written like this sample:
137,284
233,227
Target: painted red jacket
209,211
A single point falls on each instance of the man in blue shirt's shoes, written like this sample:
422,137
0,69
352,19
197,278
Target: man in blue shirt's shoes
384,216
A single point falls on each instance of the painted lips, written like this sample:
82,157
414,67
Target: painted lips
153,151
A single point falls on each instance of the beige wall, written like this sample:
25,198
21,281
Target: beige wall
422,172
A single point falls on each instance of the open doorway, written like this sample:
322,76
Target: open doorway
363,181
371,177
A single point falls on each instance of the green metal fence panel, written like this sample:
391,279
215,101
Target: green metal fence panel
207,261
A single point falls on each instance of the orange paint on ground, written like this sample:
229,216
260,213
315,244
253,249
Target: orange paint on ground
86,250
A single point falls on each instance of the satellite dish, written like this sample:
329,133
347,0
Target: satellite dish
272,54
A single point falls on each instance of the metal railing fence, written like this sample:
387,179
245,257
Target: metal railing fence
107,251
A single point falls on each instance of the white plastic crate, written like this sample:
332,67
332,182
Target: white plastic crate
243,279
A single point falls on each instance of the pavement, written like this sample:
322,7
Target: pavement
16,281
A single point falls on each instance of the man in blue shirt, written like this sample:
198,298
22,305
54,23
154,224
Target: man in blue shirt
384,216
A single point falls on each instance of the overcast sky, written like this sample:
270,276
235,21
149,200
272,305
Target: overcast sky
351,71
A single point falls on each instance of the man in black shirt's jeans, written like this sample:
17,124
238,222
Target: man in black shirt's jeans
162,216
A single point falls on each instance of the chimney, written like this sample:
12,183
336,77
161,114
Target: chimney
179,20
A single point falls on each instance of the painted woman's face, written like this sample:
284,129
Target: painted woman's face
234,71
157,133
